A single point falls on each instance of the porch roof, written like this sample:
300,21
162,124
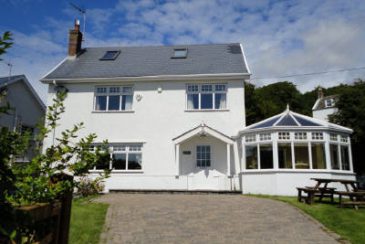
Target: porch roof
203,130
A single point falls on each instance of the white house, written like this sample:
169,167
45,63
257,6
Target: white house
324,106
26,108
174,115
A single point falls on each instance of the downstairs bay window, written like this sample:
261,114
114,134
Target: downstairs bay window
122,157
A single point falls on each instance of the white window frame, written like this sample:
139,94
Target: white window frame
328,103
107,93
122,148
200,91
293,138
202,159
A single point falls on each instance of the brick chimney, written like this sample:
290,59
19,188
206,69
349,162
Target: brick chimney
75,39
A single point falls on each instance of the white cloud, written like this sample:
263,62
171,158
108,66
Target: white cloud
280,38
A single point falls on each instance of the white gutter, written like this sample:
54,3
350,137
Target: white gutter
231,76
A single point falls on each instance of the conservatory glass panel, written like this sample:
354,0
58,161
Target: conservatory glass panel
266,157
318,156
345,158
301,156
251,157
334,156
285,157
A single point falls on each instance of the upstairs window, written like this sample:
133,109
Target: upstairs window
329,103
113,98
110,55
180,53
206,96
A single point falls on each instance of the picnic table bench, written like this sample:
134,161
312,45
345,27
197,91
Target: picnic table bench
321,192
356,198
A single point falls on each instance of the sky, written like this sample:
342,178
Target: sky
280,38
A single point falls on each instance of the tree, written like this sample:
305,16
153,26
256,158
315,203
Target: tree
270,100
351,113
5,42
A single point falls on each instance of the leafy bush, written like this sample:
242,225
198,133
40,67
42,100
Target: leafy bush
88,187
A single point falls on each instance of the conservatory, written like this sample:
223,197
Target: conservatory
288,149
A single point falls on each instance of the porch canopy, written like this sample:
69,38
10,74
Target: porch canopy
203,130
294,142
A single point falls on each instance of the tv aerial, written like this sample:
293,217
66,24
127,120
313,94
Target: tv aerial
83,12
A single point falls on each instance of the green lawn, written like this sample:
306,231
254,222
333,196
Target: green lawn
87,221
347,222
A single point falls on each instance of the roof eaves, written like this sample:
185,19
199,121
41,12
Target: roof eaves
53,69
152,78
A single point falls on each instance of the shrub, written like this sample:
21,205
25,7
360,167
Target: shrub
88,187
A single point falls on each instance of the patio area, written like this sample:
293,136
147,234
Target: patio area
184,218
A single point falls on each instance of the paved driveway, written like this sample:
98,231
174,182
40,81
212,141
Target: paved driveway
180,218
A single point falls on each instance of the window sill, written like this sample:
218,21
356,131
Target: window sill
254,171
112,112
206,110
117,171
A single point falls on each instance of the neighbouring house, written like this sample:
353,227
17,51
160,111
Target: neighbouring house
324,105
26,109
174,117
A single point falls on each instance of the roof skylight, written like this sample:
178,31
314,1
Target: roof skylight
180,53
110,55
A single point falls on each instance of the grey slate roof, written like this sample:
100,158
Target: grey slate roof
291,120
152,61
6,79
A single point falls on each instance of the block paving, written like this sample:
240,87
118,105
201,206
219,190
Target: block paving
197,218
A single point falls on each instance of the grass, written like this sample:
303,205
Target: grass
347,222
87,221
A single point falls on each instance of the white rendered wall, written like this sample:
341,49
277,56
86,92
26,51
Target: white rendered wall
155,121
285,183
324,113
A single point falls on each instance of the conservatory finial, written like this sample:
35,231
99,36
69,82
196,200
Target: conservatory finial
287,107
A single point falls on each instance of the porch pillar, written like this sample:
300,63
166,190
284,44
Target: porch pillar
237,166
228,159
177,158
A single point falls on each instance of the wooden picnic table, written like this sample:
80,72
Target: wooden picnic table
357,196
347,183
322,190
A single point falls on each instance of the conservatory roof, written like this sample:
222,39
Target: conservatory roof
291,120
